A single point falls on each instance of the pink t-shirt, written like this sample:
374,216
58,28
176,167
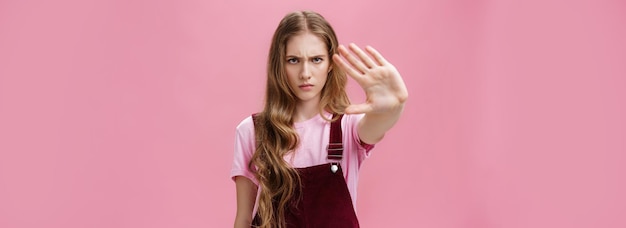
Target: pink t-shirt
313,135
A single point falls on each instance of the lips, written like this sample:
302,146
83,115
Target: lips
306,86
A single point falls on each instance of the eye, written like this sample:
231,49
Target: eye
292,60
317,60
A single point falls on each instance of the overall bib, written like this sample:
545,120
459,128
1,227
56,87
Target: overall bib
325,200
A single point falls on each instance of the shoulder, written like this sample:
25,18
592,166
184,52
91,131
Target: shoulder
245,127
246,123
350,124
351,119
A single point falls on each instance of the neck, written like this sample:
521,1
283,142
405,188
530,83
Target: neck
306,110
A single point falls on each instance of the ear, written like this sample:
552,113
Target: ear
330,68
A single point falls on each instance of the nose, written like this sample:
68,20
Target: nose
305,73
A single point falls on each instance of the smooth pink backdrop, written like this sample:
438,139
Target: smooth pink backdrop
122,113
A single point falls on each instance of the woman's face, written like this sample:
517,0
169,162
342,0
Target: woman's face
307,65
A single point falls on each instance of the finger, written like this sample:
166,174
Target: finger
347,68
369,63
358,64
358,108
379,58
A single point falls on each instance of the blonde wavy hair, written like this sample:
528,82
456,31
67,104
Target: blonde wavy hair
275,135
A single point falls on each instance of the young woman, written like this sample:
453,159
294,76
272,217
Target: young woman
296,162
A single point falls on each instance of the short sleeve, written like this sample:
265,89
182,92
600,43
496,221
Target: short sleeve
351,125
243,150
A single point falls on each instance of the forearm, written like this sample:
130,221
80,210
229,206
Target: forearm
242,222
246,195
374,125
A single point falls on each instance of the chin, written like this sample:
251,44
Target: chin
305,98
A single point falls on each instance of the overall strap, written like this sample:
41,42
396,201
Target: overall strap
335,144
254,116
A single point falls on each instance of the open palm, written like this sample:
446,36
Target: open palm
384,88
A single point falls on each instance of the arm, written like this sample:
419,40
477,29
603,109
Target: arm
372,126
384,88
246,196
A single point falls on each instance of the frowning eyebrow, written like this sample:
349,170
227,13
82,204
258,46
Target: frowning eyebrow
312,57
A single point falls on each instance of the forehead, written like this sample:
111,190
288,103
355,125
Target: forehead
306,44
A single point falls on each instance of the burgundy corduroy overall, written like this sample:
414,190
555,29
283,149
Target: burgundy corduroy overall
325,200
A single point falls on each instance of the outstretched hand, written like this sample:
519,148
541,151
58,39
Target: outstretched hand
381,81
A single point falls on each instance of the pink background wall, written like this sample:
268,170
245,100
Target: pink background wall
122,113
